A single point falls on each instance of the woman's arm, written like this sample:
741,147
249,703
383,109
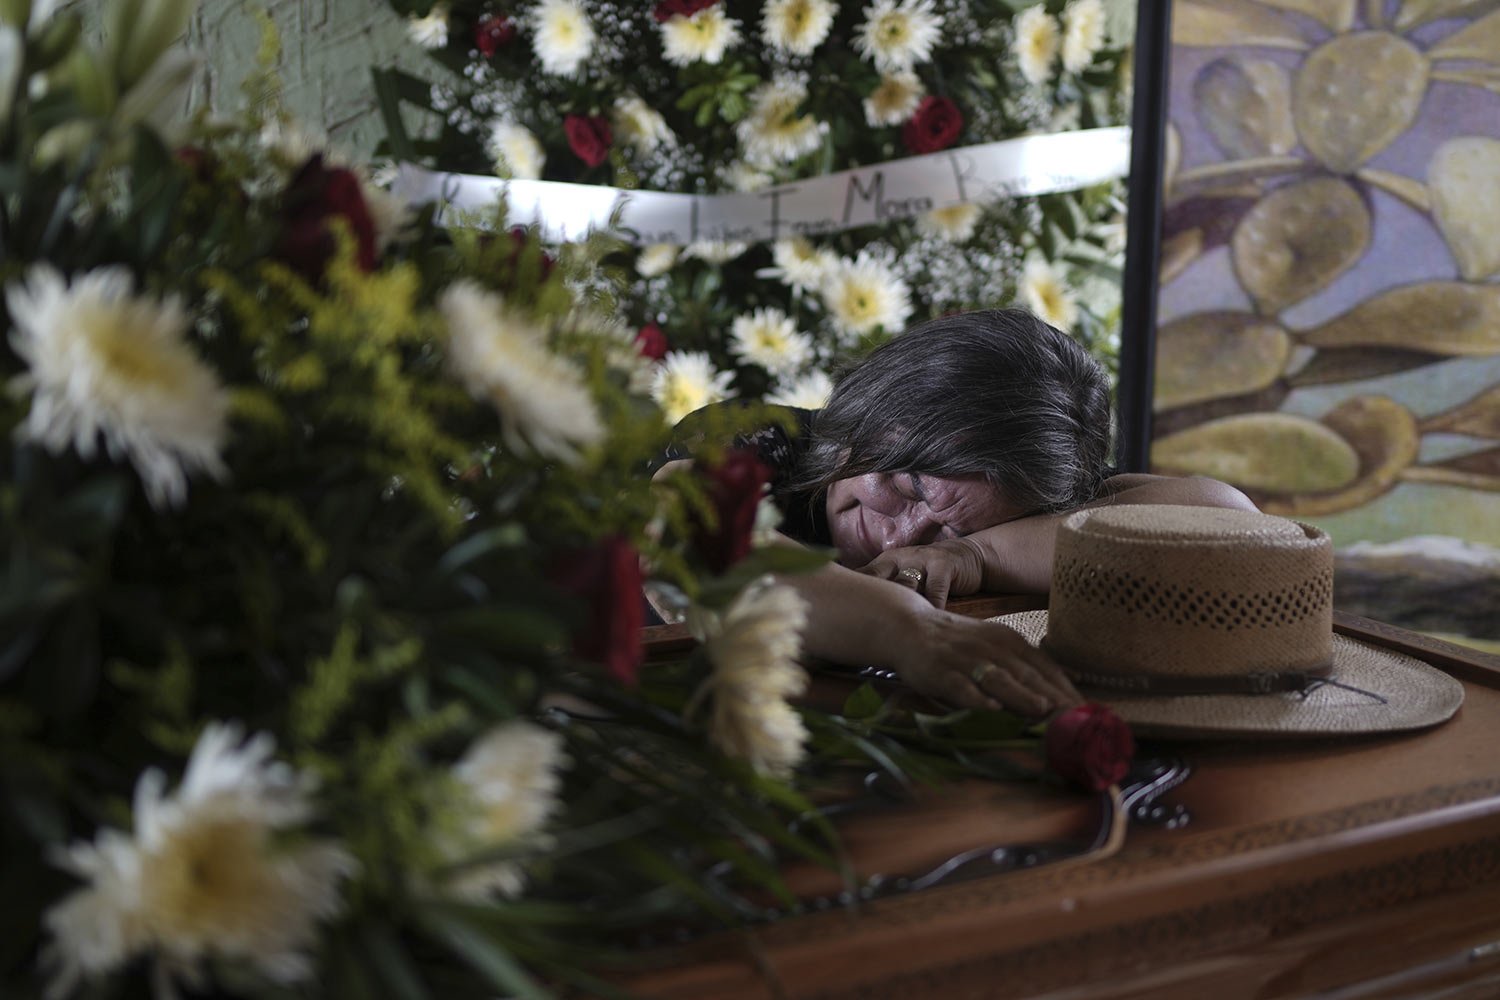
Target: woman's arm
857,620
1016,556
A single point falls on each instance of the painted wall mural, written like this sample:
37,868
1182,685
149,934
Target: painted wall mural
1329,312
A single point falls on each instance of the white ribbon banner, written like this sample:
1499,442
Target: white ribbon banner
898,189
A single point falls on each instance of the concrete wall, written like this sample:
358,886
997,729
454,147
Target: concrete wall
327,50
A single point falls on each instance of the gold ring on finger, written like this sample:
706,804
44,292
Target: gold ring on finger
979,673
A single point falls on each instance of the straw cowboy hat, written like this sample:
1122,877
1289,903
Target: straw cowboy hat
1197,621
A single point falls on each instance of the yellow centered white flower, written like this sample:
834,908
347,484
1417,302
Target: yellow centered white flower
1083,33
658,258
899,34
105,364
511,777
800,264
562,37
716,251
753,649
501,356
430,32
703,37
209,874
773,132
863,295
515,151
1036,44
686,381
1046,294
810,391
955,223
640,125
796,27
768,337
895,99
741,176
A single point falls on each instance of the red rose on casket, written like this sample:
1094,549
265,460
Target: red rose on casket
1090,746
315,197
735,488
651,341
492,33
589,137
935,125
607,577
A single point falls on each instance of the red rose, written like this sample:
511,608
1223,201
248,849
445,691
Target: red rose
518,247
589,137
607,577
651,342
493,32
1089,746
935,125
735,487
316,196
668,9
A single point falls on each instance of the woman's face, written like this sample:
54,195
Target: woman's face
885,510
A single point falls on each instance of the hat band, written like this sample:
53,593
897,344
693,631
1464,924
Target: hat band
1260,682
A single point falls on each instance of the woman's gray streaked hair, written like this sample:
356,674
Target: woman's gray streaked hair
997,393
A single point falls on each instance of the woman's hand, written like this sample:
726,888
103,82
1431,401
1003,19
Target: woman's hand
970,663
949,568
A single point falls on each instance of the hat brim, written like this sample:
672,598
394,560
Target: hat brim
1395,692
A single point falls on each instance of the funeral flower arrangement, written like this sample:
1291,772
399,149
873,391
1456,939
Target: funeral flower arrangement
324,534
704,96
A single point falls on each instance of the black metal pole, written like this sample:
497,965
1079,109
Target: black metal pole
1153,47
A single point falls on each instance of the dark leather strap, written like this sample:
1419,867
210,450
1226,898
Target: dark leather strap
1261,682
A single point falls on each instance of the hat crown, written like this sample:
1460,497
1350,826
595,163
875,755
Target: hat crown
1190,592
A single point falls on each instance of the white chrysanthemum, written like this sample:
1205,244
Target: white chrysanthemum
1036,44
800,264
773,131
640,125
703,37
1083,33
741,176
796,27
686,381
898,34
863,295
515,151
1046,294
104,363
512,777
210,873
769,338
658,258
955,223
754,650
501,355
562,37
895,100
809,391
430,32
716,251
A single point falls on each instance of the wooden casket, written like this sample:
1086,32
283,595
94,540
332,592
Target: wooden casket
1366,868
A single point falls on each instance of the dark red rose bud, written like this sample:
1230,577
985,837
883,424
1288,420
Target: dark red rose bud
935,126
607,578
493,32
668,9
651,342
735,488
589,136
1089,746
518,247
315,197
